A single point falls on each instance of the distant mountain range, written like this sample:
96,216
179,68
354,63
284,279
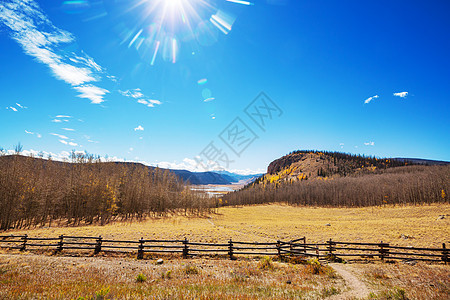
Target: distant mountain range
216,177
421,161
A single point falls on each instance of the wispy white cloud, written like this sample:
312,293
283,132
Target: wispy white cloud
401,94
89,139
140,97
139,128
39,38
17,107
61,118
63,137
91,92
73,144
209,99
68,129
367,101
136,93
21,106
33,133
370,143
112,78
154,101
341,145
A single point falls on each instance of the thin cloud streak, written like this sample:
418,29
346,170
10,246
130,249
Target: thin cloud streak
140,97
63,137
367,101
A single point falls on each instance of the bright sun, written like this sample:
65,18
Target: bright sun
169,23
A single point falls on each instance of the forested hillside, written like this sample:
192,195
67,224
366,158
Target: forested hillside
36,191
339,179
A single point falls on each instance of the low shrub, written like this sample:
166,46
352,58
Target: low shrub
266,263
141,278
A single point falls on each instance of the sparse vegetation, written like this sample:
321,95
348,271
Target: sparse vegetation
102,294
402,281
191,270
314,266
327,292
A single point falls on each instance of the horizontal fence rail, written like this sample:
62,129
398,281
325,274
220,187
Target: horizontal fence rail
330,250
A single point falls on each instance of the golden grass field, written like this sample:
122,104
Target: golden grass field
29,275
272,222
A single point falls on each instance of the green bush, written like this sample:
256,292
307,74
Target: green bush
101,295
141,278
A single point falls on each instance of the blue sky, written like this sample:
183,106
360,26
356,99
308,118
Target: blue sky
162,82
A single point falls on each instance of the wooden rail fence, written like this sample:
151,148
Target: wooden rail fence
331,250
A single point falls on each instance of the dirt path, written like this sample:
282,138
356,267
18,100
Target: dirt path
357,288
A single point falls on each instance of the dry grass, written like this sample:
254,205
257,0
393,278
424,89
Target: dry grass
273,222
391,281
29,276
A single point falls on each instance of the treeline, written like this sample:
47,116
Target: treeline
401,185
36,191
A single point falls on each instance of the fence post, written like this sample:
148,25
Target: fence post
230,249
279,249
140,254
185,248
98,245
330,247
444,253
304,245
317,252
386,250
60,243
24,244
290,248
381,251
